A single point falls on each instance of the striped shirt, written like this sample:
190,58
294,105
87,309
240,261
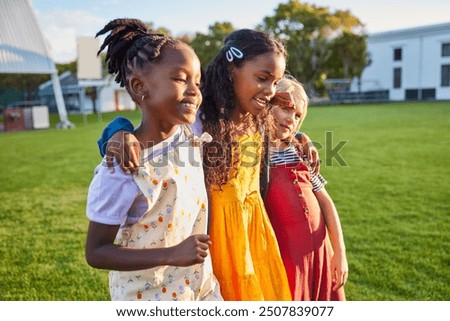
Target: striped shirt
290,155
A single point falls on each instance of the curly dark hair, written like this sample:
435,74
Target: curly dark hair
219,102
131,44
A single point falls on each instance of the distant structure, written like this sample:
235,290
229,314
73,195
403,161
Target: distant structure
110,96
23,49
408,64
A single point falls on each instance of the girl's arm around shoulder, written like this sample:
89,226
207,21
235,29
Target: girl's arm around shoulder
117,124
118,143
339,264
102,253
311,152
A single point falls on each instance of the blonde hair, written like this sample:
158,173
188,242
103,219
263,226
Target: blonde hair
291,85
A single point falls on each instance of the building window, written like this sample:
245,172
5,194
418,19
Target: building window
397,77
398,54
445,49
445,75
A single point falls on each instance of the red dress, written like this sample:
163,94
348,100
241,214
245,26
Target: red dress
301,233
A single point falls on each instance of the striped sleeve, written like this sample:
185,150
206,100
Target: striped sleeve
317,180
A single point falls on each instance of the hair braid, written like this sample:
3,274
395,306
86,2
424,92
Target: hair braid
131,44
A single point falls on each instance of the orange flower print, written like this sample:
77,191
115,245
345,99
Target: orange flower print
139,295
174,295
164,289
187,281
169,226
160,218
165,185
146,227
203,206
155,182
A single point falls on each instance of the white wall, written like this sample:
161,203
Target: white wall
421,61
113,98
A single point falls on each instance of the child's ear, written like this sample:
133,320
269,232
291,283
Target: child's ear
137,87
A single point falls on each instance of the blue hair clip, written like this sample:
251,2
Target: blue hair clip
233,51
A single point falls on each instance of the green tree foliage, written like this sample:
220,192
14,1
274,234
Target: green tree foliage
208,45
28,84
321,44
71,66
160,30
24,83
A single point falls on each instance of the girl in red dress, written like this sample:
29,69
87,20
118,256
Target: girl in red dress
301,211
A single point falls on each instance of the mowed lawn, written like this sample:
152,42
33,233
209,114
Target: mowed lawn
387,168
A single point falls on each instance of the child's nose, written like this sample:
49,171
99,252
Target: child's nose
270,90
290,119
193,90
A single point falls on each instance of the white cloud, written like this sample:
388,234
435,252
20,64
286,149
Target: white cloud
62,27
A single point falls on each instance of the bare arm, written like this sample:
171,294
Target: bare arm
311,152
124,147
339,264
102,253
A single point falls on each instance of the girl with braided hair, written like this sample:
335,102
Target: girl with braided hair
150,229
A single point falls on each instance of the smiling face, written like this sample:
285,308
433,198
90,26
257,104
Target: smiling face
255,83
172,87
287,118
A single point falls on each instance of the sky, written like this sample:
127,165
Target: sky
62,21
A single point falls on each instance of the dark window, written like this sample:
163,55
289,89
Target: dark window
398,54
445,75
429,94
397,77
411,94
420,94
445,49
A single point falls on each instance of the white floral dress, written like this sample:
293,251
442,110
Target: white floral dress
170,204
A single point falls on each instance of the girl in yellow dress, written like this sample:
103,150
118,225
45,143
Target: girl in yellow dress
240,82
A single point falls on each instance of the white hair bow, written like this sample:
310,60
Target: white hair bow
233,51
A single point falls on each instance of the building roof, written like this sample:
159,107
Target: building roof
23,49
411,32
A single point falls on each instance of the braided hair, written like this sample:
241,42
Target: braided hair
131,44
219,101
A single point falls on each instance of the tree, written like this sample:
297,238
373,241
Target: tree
91,92
208,45
320,44
71,66
25,83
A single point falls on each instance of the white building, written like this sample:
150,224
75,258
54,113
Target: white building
412,64
110,96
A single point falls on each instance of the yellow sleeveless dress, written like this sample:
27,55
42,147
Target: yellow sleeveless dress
244,251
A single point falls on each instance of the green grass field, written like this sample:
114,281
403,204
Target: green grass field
389,183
